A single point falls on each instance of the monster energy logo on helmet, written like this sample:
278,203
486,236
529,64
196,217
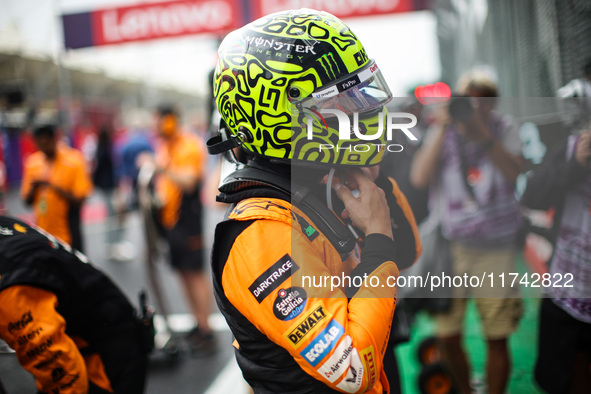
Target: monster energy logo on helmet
330,66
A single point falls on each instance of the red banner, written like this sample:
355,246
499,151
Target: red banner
165,19
149,21
339,8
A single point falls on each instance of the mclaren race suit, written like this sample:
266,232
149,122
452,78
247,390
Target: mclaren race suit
294,334
70,326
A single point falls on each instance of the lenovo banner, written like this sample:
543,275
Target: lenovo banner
150,21
339,8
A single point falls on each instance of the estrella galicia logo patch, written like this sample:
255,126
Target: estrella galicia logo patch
289,303
273,278
324,342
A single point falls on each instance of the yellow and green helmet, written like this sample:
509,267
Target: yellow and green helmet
290,85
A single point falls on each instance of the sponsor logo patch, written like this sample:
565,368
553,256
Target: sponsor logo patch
67,385
26,338
36,351
308,324
5,231
328,92
273,278
307,228
367,355
324,342
58,373
289,303
18,325
20,228
354,378
337,364
46,363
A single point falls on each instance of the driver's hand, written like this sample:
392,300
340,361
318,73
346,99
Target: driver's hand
369,210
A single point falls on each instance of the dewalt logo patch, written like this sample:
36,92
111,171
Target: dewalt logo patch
307,324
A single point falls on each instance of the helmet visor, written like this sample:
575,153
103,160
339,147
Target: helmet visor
361,92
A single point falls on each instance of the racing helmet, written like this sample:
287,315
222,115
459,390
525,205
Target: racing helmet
291,85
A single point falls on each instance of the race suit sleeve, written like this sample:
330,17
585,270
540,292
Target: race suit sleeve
36,331
546,186
339,341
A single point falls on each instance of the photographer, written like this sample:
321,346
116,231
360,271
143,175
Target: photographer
563,182
470,160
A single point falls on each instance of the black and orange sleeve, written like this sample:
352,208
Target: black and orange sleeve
36,331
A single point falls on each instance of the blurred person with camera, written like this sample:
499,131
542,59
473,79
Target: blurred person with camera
56,181
575,101
563,183
470,160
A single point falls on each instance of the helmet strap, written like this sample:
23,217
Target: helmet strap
222,142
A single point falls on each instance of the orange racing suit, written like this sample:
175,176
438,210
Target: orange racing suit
293,336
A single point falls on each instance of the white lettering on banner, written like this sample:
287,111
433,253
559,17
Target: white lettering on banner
110,31
336,7
161,21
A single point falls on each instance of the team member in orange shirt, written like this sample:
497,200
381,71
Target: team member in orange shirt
55,182
180,160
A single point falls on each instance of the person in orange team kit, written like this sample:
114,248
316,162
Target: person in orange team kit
71,327
180,159
55,182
